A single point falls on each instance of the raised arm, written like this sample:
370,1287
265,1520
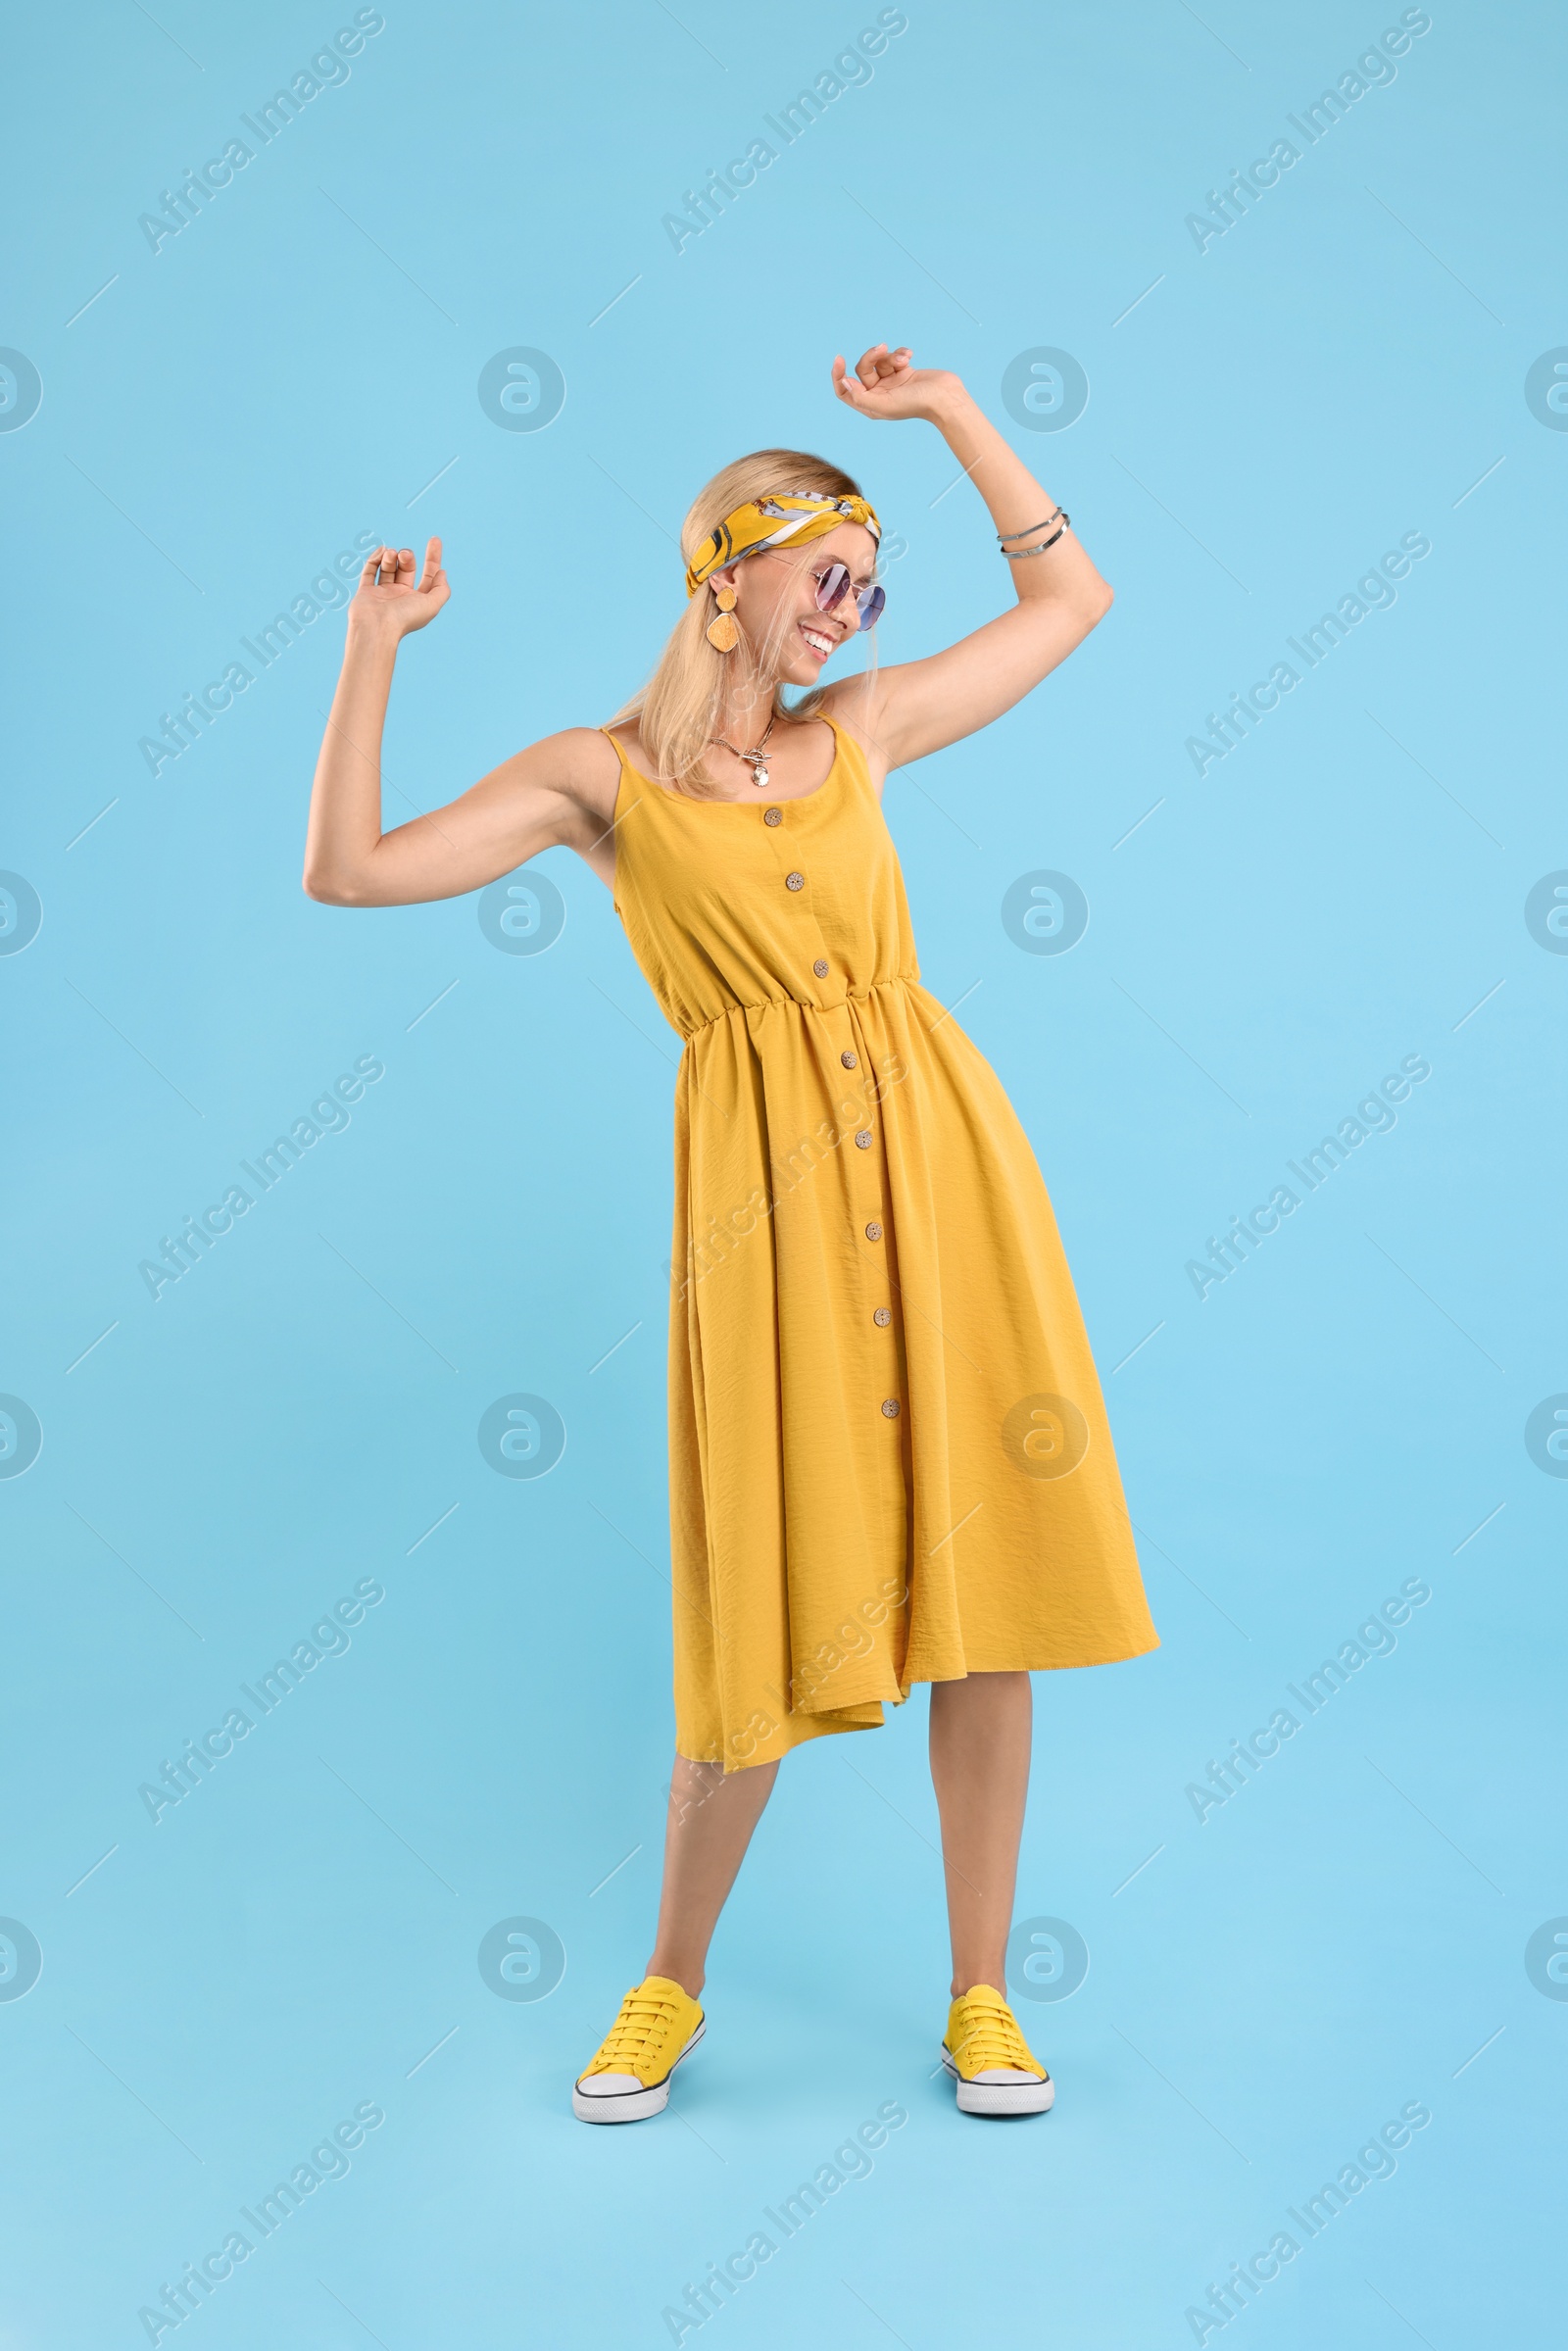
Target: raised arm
918,706
561,790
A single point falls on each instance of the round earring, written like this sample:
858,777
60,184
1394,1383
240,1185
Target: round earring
724,630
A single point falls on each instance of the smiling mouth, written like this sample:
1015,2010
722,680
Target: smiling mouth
819,642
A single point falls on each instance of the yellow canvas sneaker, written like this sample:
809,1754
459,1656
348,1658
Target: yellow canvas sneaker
995,2069
630,2077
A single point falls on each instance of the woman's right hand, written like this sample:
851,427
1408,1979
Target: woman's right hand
392,597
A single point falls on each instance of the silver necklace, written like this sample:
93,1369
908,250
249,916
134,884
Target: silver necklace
753,757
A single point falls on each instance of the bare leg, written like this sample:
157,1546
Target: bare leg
707,1830
980,1770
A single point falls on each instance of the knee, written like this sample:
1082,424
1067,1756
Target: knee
977,1689
982,1697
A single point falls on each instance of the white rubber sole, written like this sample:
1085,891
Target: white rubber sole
1001,2097
631,2105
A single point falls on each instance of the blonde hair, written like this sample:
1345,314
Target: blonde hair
681,709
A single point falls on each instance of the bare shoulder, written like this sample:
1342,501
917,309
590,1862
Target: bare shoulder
585,763
590,786
580,768
628,734
557,792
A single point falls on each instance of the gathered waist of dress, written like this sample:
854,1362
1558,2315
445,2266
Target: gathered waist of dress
803,1004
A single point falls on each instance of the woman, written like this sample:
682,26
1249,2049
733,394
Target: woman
889,1457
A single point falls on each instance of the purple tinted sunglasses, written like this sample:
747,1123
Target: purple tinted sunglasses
832,584
831,587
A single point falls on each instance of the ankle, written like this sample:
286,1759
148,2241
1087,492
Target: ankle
691,1980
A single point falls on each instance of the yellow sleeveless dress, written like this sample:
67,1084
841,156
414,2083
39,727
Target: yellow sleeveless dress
889,1459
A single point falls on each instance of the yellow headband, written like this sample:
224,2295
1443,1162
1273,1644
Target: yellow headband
791,516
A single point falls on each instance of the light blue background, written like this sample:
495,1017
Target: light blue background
1343,365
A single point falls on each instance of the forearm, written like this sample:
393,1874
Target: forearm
345,822
1018,507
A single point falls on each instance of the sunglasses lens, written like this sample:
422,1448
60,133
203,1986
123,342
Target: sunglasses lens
872,605
831,586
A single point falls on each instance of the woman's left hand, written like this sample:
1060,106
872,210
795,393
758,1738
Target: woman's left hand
885,384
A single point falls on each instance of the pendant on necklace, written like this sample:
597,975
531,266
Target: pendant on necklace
760,775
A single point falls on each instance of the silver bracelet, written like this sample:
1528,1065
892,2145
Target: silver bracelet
1023,534
1015,555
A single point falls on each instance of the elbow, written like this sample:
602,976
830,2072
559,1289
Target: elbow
324,889
1090,608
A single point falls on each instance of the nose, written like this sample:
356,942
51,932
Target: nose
833,608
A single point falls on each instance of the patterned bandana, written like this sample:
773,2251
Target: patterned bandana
791,517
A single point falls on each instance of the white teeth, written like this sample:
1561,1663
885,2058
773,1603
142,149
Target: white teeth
820,644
